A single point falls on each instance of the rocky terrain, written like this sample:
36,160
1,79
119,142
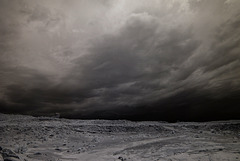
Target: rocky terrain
30,138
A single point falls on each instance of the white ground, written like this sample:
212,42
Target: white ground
52,139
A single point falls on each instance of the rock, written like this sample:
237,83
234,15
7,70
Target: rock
8,154
121,158
11,159
20,149
58,149
213,131
1,158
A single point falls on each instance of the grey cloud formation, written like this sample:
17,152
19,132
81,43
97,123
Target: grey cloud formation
139,60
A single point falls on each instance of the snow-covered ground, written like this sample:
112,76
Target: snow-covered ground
51,139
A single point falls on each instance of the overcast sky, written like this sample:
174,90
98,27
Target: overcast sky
127,59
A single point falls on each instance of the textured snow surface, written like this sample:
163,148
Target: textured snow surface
52,139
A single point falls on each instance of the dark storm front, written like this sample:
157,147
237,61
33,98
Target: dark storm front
108,59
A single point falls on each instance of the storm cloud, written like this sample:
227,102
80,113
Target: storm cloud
140,60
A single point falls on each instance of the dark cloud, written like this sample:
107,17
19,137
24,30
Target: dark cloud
159,60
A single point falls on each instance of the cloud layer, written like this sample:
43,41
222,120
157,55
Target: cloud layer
160,60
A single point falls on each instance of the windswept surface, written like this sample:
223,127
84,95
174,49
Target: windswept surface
53,139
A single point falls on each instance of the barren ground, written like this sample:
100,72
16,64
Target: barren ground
51,139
